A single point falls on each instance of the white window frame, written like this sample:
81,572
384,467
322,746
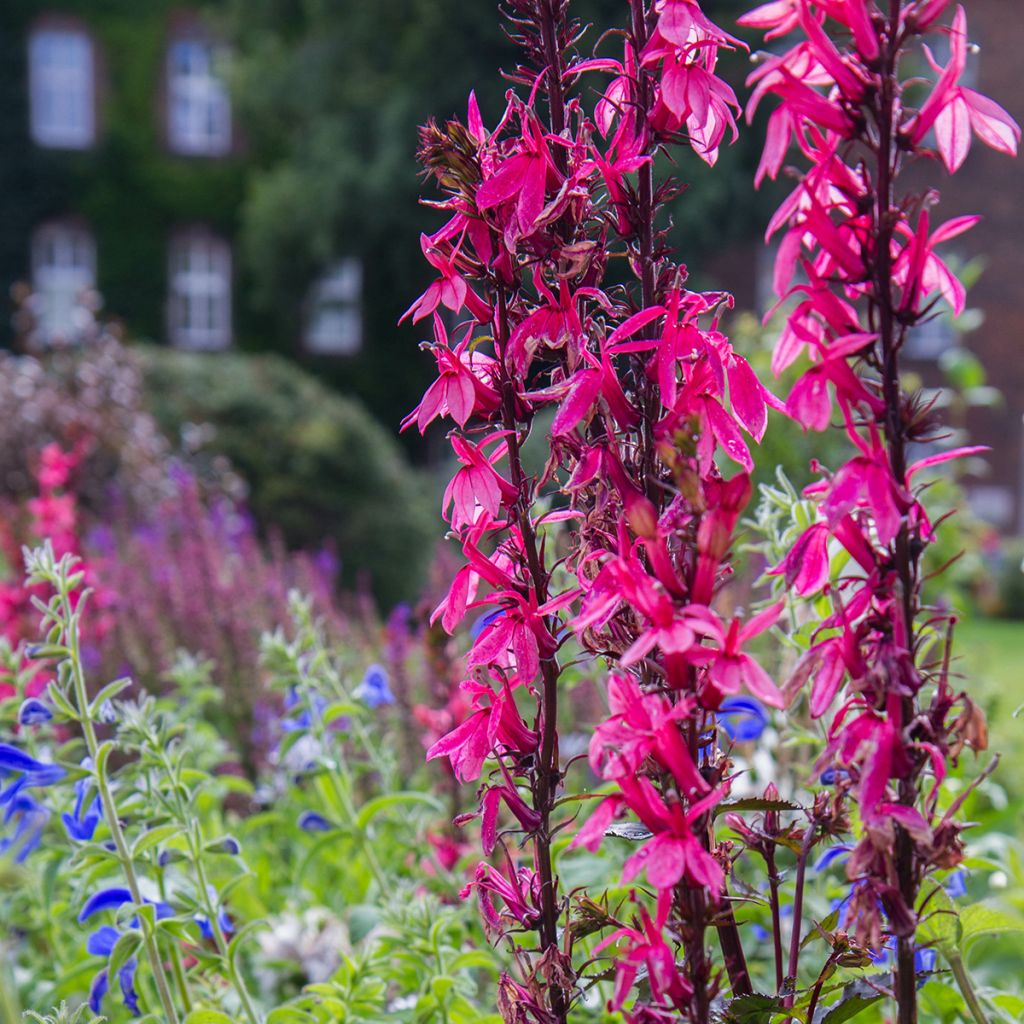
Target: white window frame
63,258
198,105
62,87
199,291
334,317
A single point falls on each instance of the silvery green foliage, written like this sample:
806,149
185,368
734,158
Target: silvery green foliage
63,1015
314,893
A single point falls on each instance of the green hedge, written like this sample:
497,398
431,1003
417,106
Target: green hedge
317,464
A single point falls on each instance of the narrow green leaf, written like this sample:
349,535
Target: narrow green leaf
124,949
62,703
154,837
235,946
109,692
341,709
208,1017
103,755
756,803
389,800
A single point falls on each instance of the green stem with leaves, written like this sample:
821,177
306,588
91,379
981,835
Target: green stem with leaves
338,773
69,619
194,840
963,982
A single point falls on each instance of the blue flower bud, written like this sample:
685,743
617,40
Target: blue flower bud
310,821
34,712
375,690
743,718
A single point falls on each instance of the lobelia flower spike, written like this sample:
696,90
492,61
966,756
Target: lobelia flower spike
648,399
867,251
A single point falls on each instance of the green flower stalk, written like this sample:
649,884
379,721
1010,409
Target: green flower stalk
62,616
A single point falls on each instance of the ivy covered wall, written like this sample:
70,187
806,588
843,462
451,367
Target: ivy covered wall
130,190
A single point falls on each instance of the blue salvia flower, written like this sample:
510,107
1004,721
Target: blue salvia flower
743,718
30,819
101,943
310,821
34,712
480,624
111,899
25,771
925,962
830,857
303,720
956,885
225,922
81,823
375,689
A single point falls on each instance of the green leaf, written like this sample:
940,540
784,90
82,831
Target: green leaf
288,1015
62,703
941,925
182,927
828,924
154,837
756,803
124,949
208,1017
441,986
235,946
102,756
42,651
109,692
981,920
752,1009
147,916
857,997
341,709
389,800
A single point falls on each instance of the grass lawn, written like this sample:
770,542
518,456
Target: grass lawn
990,659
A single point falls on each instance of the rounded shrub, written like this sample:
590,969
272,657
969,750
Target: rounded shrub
318,466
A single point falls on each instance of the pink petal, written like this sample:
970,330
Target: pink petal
489,819
591,834
578,402
991,123
827,680
747,398
955,453
728,435
760,684
953,133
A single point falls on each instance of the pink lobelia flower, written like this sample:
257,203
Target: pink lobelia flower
646,946
487,730
464,385
673,852
955,111
730,669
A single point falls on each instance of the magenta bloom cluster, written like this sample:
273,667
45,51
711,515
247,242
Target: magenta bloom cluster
559,305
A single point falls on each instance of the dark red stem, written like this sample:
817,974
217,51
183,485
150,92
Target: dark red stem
547,775
906,562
